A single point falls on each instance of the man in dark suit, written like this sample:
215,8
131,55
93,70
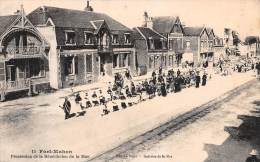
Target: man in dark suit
197,78
258,67
66,107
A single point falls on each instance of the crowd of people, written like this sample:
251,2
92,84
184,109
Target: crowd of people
124,92
228,66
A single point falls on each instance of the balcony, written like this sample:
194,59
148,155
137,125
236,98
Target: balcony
25,52
10,86
104,48
122,45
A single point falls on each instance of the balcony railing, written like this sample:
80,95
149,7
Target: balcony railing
25,51
15,85
157,50
104,48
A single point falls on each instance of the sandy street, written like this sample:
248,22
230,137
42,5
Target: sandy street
227,134
38,127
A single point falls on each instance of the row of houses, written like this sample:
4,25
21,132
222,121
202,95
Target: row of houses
164,41
57,48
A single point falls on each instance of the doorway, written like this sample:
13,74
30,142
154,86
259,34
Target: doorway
11,73
102,65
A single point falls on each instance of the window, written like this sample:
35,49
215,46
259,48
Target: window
71,65
151,43
123,60
70,38
115,58
170,60
151,62
188,44
165,61
202,44
2,71
170,44
88,37
127,38
163,43
36,68
89,63
179,43
115,39
120,60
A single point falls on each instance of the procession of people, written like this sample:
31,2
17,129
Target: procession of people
124,92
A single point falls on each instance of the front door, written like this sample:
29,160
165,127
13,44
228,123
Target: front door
11,73
102,65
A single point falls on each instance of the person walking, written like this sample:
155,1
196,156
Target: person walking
197,80
258,67
66,107
204,79
163,90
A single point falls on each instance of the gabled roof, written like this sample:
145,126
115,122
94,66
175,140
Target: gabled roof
210,31
147,33
193,31
62,17
164,24
98,25
6,21
137,35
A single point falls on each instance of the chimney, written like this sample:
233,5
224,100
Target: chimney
147,21
43,17
88,8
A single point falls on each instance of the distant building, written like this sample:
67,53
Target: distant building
171,28
24,56
218,48
228,38
253,45
151,50
85,45
231,42
198,44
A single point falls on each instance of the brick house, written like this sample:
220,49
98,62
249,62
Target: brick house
253,46
196,44
24,56
171,28
151,50
85,45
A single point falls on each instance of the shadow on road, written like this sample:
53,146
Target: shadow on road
241,139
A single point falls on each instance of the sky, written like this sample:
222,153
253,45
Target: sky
240,15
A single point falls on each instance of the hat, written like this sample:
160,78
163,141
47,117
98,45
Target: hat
253,152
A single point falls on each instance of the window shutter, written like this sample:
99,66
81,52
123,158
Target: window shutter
2,71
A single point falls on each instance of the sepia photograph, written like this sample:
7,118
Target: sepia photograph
129,81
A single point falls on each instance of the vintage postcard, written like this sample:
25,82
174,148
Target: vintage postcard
129,81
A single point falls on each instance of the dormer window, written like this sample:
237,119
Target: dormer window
151,43
88,38
188,44
127,38
115,39
70,37
163,43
